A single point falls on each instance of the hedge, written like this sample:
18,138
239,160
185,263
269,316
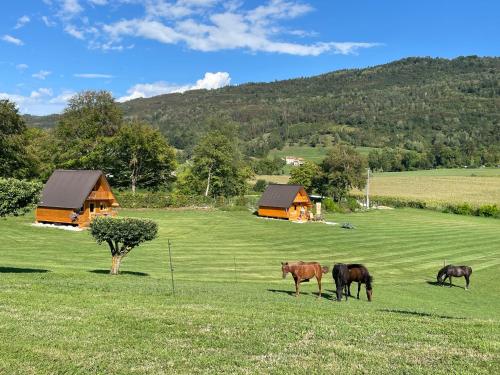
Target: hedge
487,210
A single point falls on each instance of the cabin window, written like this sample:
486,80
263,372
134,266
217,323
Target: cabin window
92,207
101,207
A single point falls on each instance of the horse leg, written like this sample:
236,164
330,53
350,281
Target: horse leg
296,279
349,288
466,282
346,292
319,285
359,287
450,282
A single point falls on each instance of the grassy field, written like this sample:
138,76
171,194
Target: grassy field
475,186
232,312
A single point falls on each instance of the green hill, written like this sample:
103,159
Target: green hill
410,103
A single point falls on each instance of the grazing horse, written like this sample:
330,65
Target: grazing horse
303,271
454,271
340,274
359,273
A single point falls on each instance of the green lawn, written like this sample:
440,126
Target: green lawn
60,312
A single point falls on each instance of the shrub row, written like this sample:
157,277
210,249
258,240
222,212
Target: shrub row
172,200
487,210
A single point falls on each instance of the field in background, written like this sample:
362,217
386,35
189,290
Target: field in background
315,154
233,313
474,186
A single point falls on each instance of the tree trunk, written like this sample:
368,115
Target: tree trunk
115,264
208,181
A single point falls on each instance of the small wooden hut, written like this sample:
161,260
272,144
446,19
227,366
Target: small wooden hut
75,197
289,202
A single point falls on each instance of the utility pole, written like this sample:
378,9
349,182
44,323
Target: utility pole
368,189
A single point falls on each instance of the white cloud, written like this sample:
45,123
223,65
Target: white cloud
42,74
48,22
40,102
145,90
11,39
92,75
22,21
255,30
22,67
203,25
69,8
74,32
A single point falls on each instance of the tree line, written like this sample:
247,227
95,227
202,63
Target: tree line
446,109
92,133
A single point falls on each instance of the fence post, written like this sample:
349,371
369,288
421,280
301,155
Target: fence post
171,267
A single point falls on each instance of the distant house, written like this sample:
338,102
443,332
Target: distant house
289,202
75,197
294,161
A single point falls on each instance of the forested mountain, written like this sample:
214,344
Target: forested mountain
412,103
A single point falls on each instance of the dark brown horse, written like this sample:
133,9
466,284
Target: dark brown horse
302,272
360,274
450,271
340,275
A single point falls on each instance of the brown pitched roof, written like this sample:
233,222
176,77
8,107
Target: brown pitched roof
68,188
277,195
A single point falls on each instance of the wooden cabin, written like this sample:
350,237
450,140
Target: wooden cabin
75,197
289,202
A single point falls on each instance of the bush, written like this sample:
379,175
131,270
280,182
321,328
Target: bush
329,205
160,200
18,197
352,204
460,209
488,210
260,186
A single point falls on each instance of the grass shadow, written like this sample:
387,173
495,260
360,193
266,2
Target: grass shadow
446,285
22,270
312,294
133,273
419,313
289,292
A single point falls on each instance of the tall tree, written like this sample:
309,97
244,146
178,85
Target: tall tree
304,175
89,118
14,160
139,156
217,167
342,169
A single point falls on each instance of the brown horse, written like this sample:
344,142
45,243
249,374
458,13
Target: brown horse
302,272
359,273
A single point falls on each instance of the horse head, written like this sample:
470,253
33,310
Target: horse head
441,274
285,268
369,294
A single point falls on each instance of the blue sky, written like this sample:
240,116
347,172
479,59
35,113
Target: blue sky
50,49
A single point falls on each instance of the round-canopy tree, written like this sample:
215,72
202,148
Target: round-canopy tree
122,235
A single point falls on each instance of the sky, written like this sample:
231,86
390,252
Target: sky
52,49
